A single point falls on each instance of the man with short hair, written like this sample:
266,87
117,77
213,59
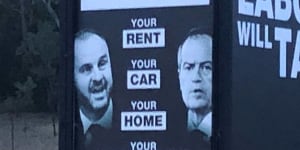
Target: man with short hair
195,78
93,80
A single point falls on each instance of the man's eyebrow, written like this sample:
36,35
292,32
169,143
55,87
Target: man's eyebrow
204,62
83,65
188,63
193,63
103,57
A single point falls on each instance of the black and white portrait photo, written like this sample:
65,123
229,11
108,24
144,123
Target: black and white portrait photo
93,81
195,79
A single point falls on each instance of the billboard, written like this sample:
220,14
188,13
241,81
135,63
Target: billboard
143,75
259,74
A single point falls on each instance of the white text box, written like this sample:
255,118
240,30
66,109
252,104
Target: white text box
143,79
144,38
144,121
87,5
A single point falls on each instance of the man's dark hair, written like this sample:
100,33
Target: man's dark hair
86,33
194,33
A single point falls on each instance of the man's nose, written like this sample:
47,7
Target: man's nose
97,75
197,75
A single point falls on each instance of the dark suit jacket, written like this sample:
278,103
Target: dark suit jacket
196,140
102,139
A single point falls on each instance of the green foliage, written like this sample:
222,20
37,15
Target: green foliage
34,75
40,51
22,99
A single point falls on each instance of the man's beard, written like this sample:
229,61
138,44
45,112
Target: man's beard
98,86
94,88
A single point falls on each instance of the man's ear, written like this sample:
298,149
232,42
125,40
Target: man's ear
178,72
179,60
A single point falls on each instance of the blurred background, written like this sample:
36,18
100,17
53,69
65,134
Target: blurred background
29,81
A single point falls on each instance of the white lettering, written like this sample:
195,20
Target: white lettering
281,13
297,10
250,31
283,35
296,59
243,30
253,35
245,8
259,43
268,44
133,22
143,105
143,63
264,5
143,22
143,145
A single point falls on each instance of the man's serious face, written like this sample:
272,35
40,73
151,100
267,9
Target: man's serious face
195,72
92,70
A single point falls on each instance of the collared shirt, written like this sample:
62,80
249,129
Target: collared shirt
105,121
204,126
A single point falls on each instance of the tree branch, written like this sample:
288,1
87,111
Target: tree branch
52,12
23,20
